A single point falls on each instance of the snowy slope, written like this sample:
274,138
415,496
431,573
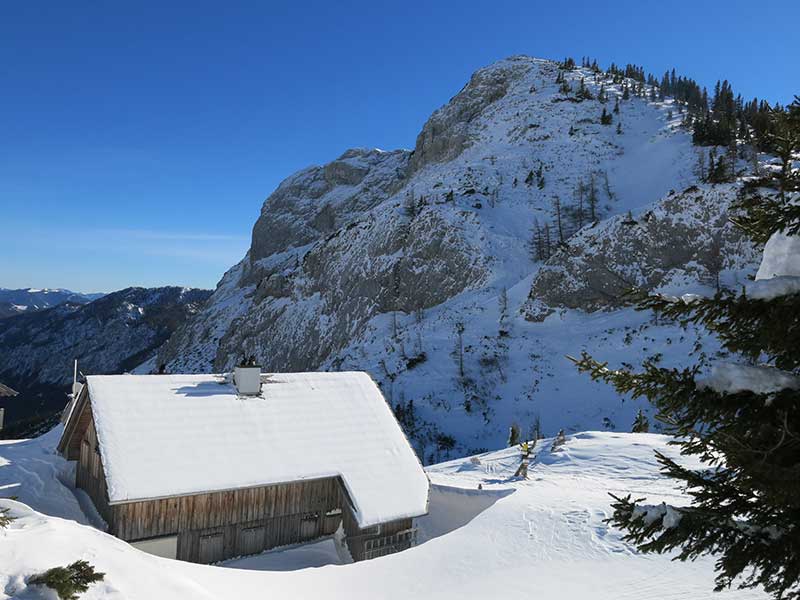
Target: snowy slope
545,536
376,260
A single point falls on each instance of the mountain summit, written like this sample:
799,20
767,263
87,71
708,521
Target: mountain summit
460,273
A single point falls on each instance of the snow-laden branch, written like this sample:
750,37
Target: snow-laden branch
728,378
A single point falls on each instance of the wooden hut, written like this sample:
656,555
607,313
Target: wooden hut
5,392
205,468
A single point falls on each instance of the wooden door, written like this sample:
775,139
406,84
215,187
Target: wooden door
250,540
309,526
212,548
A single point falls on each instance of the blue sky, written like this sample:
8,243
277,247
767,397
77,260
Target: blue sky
139,140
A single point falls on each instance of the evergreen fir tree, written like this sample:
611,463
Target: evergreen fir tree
745,508
641,424
619,127
785,141
558,441
583,92
70,581
605,118
5,520
540,176
529,178
592,198
559,224
513,435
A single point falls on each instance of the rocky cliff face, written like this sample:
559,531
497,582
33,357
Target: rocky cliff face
682,242
417,267
113,334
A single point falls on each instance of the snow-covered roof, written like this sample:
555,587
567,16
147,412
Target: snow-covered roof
167,435
6,391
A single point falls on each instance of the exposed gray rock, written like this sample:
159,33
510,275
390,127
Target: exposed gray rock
386,262
683,239
318,200
449,130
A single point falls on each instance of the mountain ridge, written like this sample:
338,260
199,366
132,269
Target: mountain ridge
111,334
22,300
416,266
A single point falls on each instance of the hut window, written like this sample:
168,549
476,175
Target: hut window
374,530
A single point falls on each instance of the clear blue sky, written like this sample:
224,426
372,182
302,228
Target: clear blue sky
138,140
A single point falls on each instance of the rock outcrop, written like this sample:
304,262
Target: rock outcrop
684,240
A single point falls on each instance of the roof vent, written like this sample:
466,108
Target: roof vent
247,378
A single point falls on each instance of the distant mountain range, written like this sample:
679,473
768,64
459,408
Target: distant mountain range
111,334
28,300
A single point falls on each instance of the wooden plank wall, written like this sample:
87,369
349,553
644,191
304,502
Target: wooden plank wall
89,474
77,427
280,508
241,539
361,541
220,525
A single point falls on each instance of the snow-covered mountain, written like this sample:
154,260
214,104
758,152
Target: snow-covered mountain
417,267
27,300
112,334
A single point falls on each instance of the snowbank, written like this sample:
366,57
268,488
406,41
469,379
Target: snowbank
727,378
781,257
546,533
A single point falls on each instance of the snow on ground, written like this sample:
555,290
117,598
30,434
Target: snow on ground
544,536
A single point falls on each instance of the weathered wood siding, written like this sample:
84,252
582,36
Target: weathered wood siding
225,524
75,430
89,474
379,540
216,526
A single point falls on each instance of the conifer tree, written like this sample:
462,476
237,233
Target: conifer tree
592,198
70,581
558,441
540,176
641,424
745,501
5,519
605,118
513,435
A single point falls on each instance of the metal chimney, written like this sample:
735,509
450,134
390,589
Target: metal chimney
247,378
